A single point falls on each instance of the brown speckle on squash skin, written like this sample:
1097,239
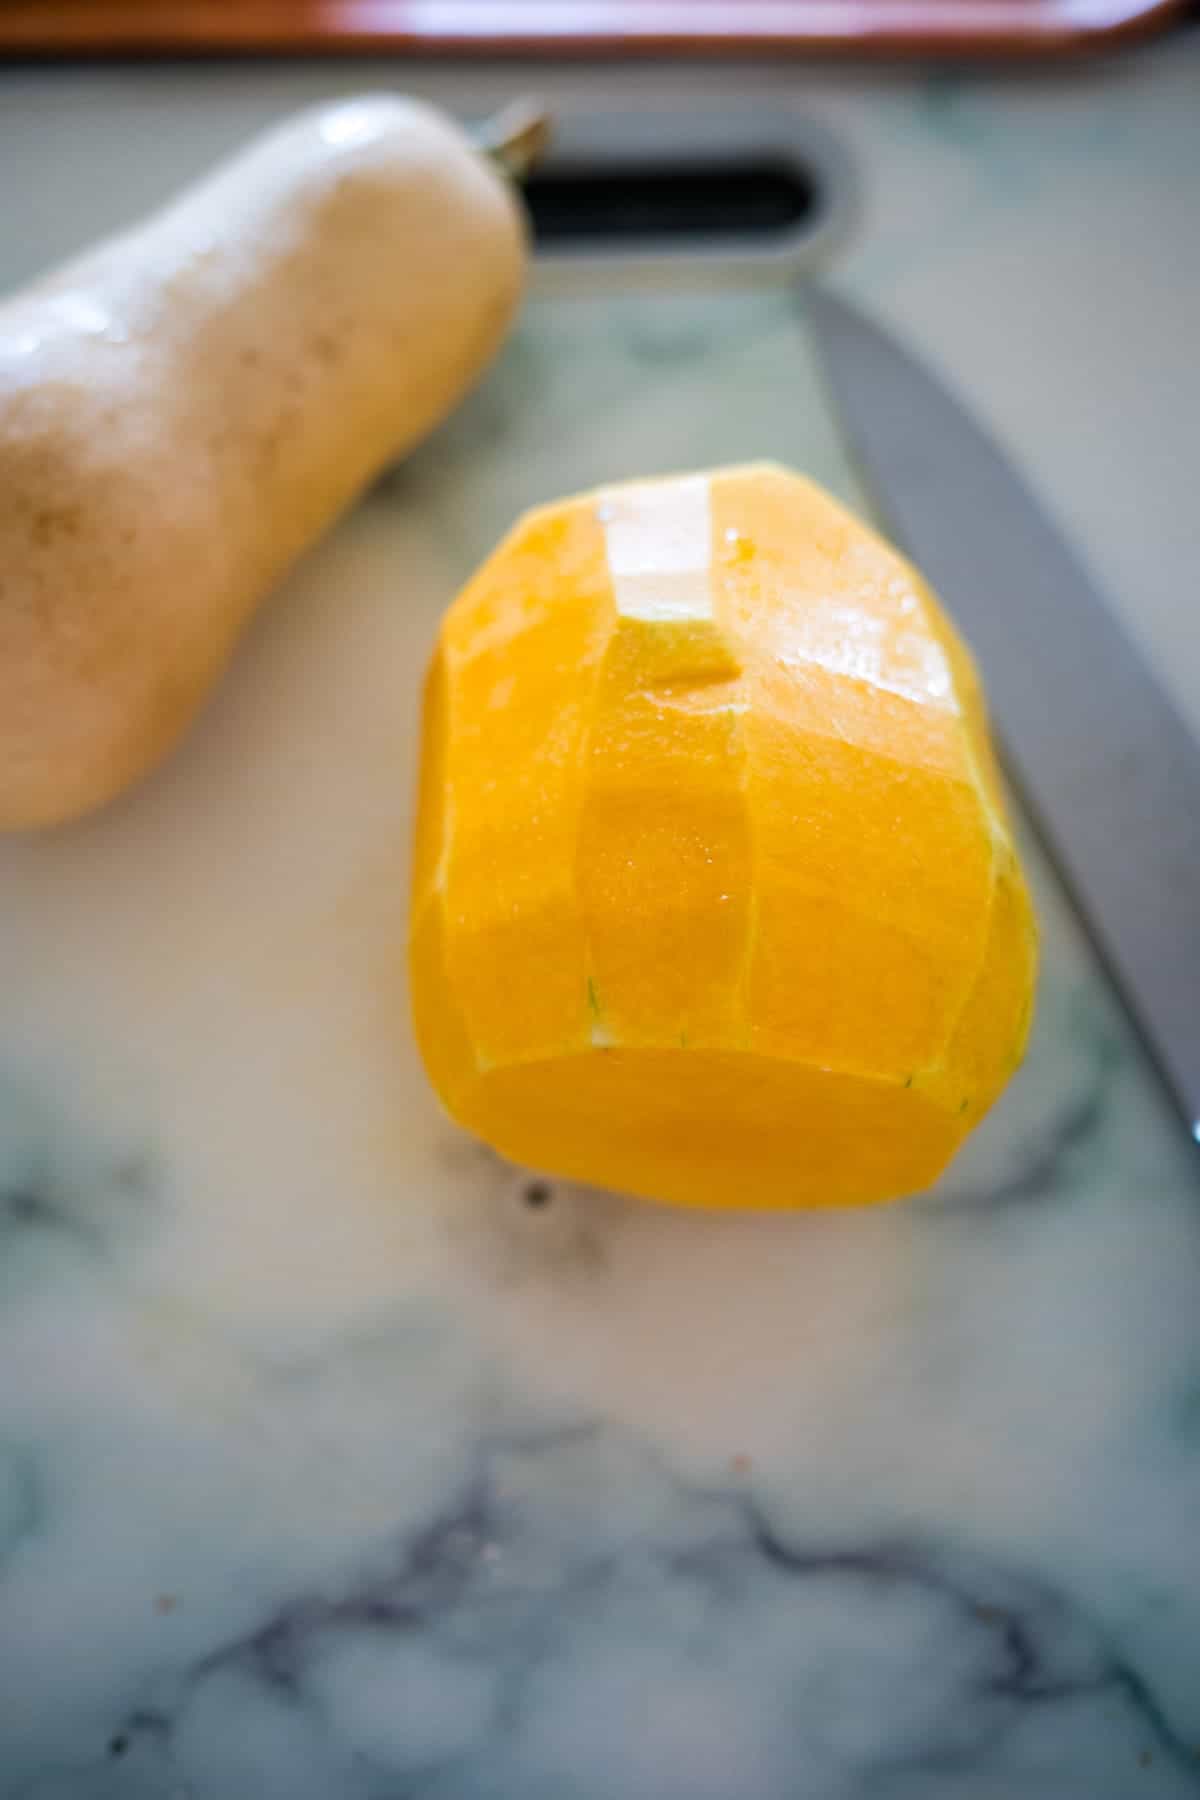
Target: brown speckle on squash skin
53,522
325,348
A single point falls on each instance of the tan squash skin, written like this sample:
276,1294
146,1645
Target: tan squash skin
186,407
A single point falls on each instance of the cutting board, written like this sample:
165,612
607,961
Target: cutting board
338,1458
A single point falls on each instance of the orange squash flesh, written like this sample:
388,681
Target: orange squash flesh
714,901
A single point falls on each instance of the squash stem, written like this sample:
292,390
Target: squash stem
516,137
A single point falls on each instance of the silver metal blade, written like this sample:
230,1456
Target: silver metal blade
1103,761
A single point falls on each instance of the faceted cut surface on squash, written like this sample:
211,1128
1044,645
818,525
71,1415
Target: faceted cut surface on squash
715,901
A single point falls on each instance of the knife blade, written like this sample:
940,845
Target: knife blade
1106,766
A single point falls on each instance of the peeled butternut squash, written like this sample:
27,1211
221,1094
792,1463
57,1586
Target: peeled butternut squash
184,409
715,900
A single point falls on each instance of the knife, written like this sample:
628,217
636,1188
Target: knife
1107,768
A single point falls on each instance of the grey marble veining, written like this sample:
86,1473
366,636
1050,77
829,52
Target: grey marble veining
339,1459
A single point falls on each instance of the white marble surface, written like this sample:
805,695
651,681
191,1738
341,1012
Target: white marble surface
329,1465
